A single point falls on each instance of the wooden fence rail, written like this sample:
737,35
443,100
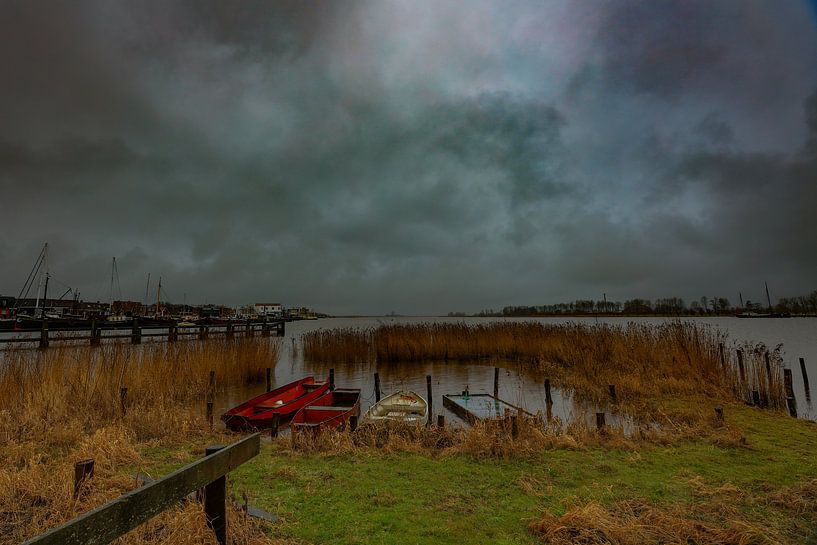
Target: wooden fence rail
114,519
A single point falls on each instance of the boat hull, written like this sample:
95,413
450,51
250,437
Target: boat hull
400,406
330,411
259,412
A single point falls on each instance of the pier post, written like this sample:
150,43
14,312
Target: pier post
514,426
612,389
269,379
249,327
376,387
265,328
215,502
805,379
352,423
496,381
430,398
548,398
332,379
722,355
440,420
276,421
230,332
83,470
791,402
44,333
136,332
600,421
282,326
756,398
172,333
123,400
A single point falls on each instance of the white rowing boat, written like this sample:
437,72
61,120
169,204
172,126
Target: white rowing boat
402,405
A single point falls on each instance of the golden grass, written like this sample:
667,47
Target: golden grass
641,360
63,404
717,516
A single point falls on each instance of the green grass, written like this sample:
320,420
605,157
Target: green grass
372,498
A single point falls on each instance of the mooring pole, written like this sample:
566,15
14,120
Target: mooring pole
44,332
740,366
430,398
215,502
136,332
269,379
548,398
332,379
276,421
376,387
805,379
496,381
600,421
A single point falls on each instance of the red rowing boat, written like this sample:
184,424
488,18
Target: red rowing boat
331,410
257,413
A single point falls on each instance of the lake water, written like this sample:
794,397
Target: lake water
517,384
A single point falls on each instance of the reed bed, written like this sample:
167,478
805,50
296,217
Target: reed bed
641,360
64,404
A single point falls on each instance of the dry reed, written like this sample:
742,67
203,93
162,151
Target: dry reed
64,404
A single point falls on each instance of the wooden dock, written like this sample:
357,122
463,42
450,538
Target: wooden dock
474,407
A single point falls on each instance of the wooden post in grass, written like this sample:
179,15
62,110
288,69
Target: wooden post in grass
136,332
430,399
548,398
805,379
94,333
768,360
215,502
210,414
600,421
719,413
276,421
332,379
440,420
514,426
722,355
791,402
376,387
740,366
269,379
83,470
352,423
123,400
496,381
612,389
755,398
44,333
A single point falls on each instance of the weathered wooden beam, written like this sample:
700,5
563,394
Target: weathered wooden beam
115,518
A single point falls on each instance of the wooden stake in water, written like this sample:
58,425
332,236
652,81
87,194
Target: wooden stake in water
805,379
377,387
430,398
496,381
440,420
548,398
269,379
740,367
722,356
332,379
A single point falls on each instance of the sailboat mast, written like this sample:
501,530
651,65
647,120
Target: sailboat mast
768,299
158,296
147,290
45,289
110,300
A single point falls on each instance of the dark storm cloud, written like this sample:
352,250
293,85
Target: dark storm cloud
409,156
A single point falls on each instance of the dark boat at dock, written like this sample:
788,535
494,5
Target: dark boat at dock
332,410
258,413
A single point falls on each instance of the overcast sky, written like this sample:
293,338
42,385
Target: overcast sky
420,157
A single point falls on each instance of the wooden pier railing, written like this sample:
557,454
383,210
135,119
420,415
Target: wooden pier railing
114,519
136,332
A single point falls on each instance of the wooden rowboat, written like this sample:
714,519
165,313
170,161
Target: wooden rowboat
331,410
257,413
402,406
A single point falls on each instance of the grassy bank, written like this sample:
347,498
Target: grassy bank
760,489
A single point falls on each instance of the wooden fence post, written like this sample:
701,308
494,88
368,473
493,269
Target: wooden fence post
123,400
83,470
430,399
215,502
44,333
376,387
548,398
600,421
440,420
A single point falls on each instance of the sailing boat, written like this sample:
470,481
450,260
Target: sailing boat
769,314
115,319
158,317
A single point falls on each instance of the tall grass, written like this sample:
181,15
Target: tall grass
670,358
64,404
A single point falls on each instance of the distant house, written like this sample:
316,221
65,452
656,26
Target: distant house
268,309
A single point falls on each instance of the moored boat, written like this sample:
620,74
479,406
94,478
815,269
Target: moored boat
331,410
257,413
402,406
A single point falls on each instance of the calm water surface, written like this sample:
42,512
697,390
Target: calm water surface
517,384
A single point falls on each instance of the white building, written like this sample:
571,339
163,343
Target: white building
268,309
